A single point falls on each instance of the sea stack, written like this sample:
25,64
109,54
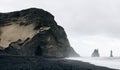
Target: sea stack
111,53
95,53
33,32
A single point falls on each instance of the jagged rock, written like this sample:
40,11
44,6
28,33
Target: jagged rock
33,32
95,53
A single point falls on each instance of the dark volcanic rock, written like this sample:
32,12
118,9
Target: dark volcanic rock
111,53
95,53
46,39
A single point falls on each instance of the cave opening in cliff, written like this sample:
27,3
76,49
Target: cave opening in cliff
38,51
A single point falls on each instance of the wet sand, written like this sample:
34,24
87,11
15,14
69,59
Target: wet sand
41,63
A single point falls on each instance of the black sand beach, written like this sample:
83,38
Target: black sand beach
41,63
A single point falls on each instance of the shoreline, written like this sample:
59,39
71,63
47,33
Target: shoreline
110,62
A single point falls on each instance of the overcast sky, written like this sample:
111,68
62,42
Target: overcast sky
89,24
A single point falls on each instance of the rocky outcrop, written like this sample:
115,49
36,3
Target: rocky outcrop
95,53
111,53
33,32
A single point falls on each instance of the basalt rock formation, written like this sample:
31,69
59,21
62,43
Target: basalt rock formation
95,53
111,53
33,32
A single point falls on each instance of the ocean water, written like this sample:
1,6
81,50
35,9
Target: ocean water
110,62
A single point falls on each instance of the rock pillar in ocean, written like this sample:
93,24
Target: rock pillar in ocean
95,53
111,53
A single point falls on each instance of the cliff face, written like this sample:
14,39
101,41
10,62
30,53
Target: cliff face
33,32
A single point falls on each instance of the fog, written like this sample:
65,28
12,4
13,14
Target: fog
89,24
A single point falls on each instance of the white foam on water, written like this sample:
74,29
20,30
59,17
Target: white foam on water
101,61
